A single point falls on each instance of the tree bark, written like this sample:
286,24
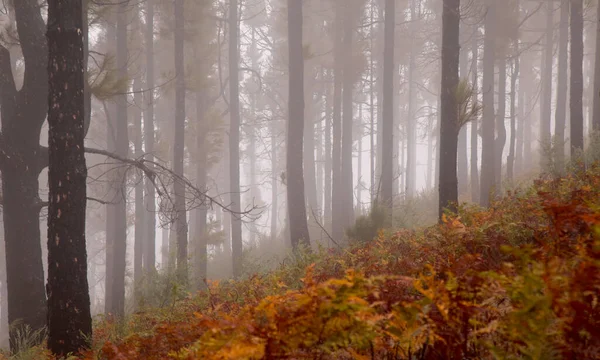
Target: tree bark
387,130
337,190
69,318
201,213
234,138
118,211
474,123
487,124
295,187
500,141
596,95
349,73
181,227
561,87
449,129
21,162
149,262
576,104
546,95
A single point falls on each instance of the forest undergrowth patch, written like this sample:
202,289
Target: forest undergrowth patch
520,280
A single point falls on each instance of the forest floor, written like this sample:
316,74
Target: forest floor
519,280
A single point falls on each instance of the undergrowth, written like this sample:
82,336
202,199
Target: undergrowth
520,280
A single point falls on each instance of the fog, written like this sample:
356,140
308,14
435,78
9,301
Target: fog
221,136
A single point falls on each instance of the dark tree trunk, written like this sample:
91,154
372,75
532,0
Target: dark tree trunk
596,95
449,124
337,189
181,227
500,141
561,87
546,95
576,104
487,124
21,162
234,138
349,73
69,318
149,261
474,124
387,130
295,179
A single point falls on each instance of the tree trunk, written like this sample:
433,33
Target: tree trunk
199,239
596,97
140,211
149,262
69,318
234,138
561,87
274,180
487,124
349,73
546,95
576,105
181,227
387,130
21,162
449,124
337,190
309,145
463,158
328,165
500,141
411,121
295,176
119,210
510,161
474,123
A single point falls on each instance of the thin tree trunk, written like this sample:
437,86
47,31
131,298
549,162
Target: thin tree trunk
181,227
295,194
234,138
546,96
411,122
500,141
387,130
337,190
328,158
561,88
596,97
474,123
69,318
199,239
349,73
576,104
140,211
274,180
463,158
449,124
510,161
149,262
487,124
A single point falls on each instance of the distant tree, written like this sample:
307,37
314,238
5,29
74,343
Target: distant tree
487,123
449,126
234,137
178,154
596,97
295,183
576,103
387,169
561,86
69,319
